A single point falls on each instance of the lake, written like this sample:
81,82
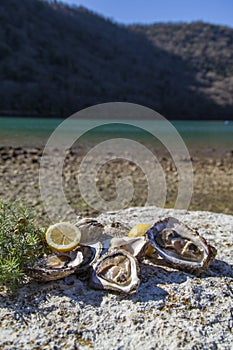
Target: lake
36,131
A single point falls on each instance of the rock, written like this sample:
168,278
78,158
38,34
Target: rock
171,310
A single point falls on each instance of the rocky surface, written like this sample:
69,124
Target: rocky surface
171,310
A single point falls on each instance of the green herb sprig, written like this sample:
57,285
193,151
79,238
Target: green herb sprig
21,243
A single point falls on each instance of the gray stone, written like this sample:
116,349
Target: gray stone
171,310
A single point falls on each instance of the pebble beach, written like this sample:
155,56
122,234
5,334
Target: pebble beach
212,180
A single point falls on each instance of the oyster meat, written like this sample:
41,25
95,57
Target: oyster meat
180,246
117,271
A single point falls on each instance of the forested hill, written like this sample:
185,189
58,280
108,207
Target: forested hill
55,60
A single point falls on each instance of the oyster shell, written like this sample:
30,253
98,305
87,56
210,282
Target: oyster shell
91,253
93,230
55,266
180,246
133,245
60,265
117,271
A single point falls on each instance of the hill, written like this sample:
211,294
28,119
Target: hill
56,59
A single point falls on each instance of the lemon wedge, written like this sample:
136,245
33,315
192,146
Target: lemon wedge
139,230
63,236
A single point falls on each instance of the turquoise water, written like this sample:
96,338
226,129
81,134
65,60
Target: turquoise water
36,131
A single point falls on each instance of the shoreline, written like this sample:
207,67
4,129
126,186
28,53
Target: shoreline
15,114
212,171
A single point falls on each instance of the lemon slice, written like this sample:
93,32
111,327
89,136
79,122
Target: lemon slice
63,236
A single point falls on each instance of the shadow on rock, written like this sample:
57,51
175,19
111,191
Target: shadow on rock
44,298
219,268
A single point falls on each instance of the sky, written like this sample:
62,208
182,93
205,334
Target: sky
150,11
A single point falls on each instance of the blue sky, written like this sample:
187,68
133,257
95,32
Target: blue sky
149,11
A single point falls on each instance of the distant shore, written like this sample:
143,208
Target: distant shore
26,114
33,114
213,180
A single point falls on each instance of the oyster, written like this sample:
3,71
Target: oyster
91,230
56,266
91,253
180,246
133,245
117,271
116,229
94,230
60,265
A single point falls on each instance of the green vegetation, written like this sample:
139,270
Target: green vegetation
56,59
21,243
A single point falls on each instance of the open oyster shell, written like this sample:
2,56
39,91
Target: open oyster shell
180,246
55,266
117,271
60,265
91,253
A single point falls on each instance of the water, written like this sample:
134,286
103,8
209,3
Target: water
36,131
